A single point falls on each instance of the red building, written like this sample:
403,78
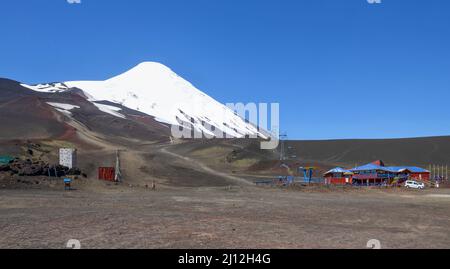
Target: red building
417,174
376,173
338,176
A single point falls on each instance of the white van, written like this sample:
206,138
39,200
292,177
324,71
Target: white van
414,185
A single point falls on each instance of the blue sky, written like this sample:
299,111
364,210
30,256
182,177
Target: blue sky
338,68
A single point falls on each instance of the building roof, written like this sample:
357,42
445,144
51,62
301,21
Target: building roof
413,169
338,170
392,169
371,166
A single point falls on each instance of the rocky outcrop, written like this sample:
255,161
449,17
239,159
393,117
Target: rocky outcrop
38,168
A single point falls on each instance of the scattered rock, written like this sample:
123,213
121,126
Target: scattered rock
4,168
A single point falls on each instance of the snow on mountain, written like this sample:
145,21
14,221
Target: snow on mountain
49,88
156,90
63,108
112,110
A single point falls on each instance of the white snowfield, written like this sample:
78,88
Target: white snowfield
63,108
155,90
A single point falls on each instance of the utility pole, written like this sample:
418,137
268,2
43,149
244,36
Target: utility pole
118,176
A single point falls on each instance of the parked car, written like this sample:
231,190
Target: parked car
414,185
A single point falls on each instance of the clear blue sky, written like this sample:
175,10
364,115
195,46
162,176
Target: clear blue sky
339,68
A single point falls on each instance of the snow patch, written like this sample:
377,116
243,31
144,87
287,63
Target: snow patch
65,112
112,110
63,108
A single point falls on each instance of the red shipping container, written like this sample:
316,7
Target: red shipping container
107,173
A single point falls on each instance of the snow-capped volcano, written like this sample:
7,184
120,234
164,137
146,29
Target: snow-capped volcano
156,90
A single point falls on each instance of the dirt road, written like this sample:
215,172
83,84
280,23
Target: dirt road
205,168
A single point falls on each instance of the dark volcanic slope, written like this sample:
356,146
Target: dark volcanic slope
10,90
29,118
25,114
245,155
414,151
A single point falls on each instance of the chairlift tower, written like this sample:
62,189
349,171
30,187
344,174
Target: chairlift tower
283,138
118,173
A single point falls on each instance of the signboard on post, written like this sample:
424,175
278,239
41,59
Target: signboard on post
68,157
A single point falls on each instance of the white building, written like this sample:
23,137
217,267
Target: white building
68,157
